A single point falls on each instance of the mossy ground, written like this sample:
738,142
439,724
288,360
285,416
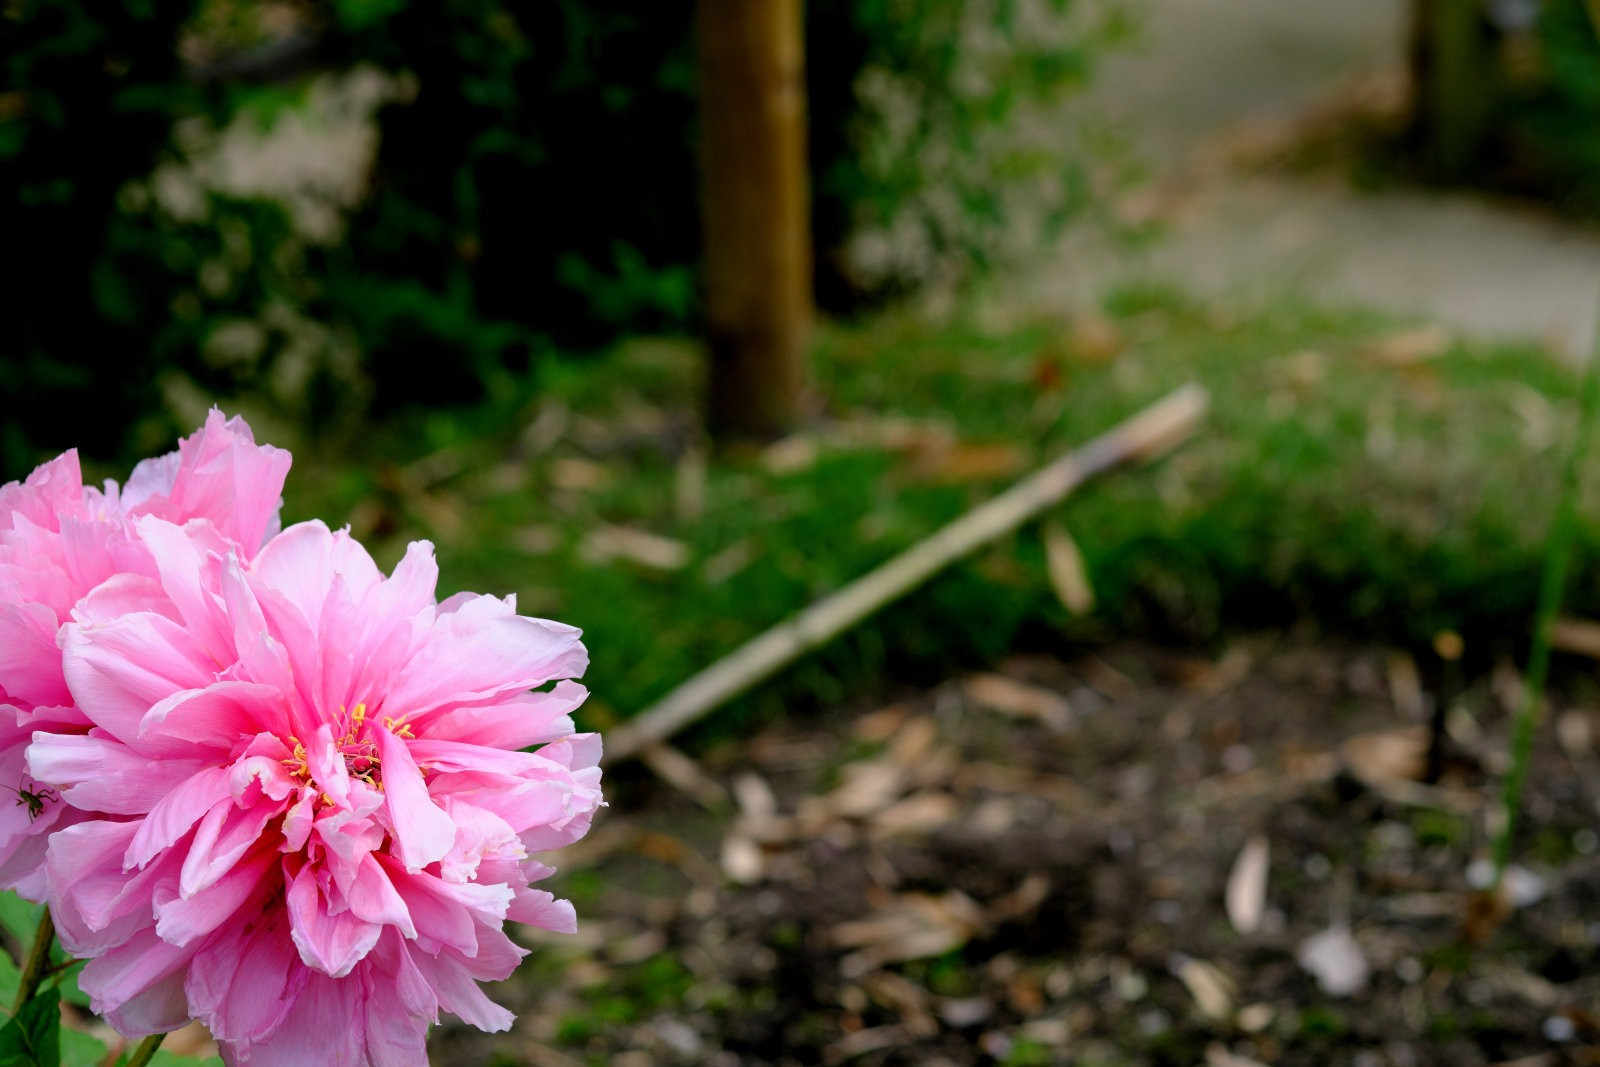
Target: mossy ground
1335,480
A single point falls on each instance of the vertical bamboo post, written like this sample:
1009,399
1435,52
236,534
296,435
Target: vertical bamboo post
755,211
1455,82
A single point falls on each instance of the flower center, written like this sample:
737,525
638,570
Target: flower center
356,746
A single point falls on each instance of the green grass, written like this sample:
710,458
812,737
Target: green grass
1392,500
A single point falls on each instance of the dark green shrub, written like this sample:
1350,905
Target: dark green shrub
534,187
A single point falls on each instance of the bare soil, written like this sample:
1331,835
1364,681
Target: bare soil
1043,866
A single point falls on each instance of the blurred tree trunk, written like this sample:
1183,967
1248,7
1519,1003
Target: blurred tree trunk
754,203
1455,83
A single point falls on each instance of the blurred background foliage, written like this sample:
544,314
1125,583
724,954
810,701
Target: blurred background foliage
483,198
510,181
1508,98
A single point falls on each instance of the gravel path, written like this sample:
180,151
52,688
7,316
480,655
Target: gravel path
1204,70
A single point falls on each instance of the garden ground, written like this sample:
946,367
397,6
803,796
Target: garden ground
1127,855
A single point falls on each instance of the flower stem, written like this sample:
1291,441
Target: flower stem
145,1051
38,959
1557,556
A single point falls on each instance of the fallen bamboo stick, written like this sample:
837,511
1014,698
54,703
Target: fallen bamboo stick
1145,435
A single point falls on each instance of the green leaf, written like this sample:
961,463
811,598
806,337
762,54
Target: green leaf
9,977
163,1058
79,1049
32,1037
67,984
20,917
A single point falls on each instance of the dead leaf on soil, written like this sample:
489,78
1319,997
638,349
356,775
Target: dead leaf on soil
1415,906
754,796
1333,957
1305,369
1524,985
683,773
1537,414
689,485
607,543
1487,909
1254,1018
1246,894
1405,348
872,1039
912,926
742,861
970,462
1388,756
880,725
546,428
1211,989
916,814
1094,338
506,478
869,786
728,562
1211,678
1405,686
913,742
966,1011
1575,731
1069,577
1578,636
903,996
1505,681
790,455
1022,901
537,540
1217,1055
577,474
1011,697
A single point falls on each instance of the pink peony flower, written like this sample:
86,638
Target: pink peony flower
59,540
318,817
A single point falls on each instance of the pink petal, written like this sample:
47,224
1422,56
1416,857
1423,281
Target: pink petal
321,1027
438,916
243,983
298,565
158,1008
53,489
535,907
224,835
332,944
116,979
460,995
30,663
124,594
87,886
409,590
178,810
221,475
98,773
396,1038
181,920
180,562
521,721
217,716
262,658
120,670
422,832
481,653
373,898
327,765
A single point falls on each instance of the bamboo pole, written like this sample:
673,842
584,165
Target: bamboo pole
754,203
1147,434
